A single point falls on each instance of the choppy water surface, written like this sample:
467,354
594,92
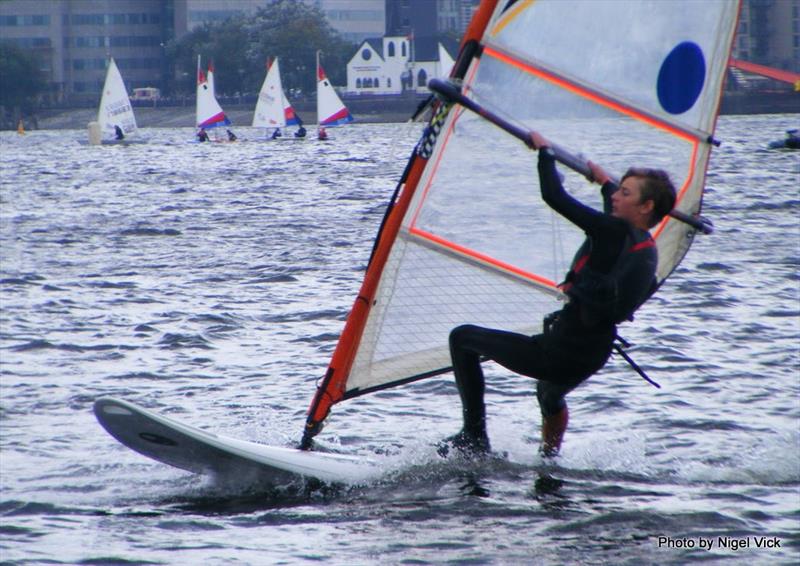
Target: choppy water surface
211,281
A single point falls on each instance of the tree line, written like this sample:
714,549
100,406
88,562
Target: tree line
240,46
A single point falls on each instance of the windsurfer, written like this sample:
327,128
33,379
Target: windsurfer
612,275
276,134
202,135
322,134
301,132
231,136
118,134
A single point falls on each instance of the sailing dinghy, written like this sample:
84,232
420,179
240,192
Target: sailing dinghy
466,237
331,111
209,114
115,118
273,110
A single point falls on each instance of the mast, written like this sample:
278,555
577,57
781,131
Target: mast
318,78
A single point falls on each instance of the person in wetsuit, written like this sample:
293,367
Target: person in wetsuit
612,274
202,135
118,133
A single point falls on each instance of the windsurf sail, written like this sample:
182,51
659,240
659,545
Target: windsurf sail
467,237
209,113
115,106
331,111
273,109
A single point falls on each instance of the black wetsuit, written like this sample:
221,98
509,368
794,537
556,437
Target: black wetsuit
577,340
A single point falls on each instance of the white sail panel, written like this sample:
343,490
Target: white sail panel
210,78
271,101
115,106
624,45
273,109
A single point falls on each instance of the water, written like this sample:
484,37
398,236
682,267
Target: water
210,282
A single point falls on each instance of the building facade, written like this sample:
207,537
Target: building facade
398,64
769,33
355,20
75,38
453,16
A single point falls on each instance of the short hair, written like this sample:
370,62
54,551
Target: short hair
658,187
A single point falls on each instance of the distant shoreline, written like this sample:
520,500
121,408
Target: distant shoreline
368,110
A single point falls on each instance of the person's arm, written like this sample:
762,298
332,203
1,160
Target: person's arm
608,187
553,193
606,232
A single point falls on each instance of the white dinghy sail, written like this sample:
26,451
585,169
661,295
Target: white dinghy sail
467,238
273,109
115,107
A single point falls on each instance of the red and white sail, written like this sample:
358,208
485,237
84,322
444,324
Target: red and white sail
209,113
331,111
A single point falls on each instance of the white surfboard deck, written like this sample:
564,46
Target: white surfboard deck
182,446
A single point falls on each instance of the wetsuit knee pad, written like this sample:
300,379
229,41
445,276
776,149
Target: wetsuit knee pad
551,398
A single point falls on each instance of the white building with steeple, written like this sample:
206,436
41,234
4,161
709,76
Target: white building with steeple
397,64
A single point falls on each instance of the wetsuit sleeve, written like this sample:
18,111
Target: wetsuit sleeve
553,193
607,190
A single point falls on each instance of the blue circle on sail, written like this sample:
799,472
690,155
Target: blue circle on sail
681,78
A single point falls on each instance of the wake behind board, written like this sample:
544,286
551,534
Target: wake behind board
195,450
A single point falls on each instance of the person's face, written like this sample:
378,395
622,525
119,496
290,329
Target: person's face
625,202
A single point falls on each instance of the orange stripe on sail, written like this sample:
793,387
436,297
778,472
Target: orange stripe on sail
587,94
481,257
